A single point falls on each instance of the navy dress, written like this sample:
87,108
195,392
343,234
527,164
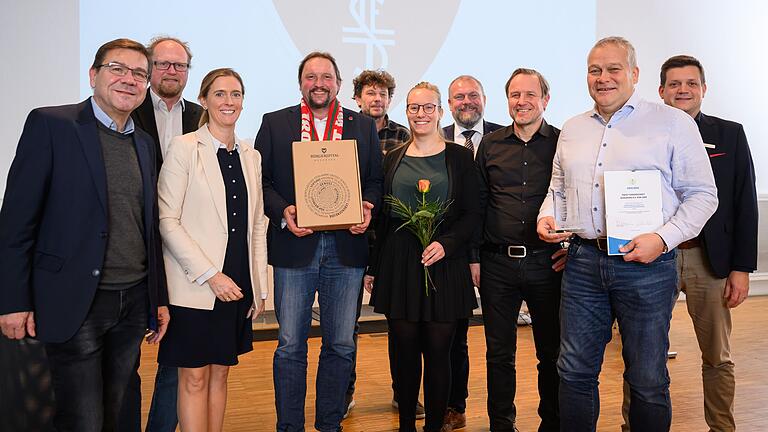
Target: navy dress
199,337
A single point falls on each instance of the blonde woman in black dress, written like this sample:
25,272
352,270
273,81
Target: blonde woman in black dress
422,324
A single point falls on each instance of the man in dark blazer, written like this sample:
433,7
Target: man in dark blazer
714,267
164,114
164,109
330,263
81,265
466,99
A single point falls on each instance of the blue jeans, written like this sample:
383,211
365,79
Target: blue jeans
338,289
597,289
162,412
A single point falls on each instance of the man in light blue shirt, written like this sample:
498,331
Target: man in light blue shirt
623,132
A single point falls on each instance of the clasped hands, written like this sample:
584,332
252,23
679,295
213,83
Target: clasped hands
226,290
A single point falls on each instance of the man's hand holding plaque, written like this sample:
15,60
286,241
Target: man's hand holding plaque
289,214
367,212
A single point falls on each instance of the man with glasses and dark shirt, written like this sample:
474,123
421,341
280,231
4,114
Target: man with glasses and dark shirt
515,165
81,264
164,114
373,91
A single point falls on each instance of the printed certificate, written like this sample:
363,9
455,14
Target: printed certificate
632,206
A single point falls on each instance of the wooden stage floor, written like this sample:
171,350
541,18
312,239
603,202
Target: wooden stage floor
251,393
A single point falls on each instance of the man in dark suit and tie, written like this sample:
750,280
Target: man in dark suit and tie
466,99
164,114
714,267
81,264
305,262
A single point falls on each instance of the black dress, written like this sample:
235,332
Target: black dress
399,290
199,337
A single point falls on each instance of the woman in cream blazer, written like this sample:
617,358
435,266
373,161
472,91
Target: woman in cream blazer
214,246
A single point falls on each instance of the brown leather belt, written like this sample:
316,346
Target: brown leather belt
690,244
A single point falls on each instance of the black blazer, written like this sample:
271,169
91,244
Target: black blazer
488,127
144,117
731,233
463,216
54,224
278,131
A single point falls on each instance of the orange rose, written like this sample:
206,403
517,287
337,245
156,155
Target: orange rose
424,185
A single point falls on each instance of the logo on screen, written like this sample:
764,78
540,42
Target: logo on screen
401,37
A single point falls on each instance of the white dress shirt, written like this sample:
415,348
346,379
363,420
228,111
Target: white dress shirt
641,135
459,138
168,122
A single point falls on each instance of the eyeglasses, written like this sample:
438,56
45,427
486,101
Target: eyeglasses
428,108
120,69
165,65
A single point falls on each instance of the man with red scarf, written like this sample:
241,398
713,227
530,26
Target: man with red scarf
305,262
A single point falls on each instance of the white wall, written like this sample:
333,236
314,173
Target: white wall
39,48
728,38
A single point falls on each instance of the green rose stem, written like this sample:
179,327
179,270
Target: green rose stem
420,221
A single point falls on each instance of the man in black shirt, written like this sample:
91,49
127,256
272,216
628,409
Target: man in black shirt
515,165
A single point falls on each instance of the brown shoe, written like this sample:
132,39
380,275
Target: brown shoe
454,419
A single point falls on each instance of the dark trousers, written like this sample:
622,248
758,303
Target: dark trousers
392,360
433,341
90,371
162,411
459,367
504,283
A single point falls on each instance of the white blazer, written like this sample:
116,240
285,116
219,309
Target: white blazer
193,217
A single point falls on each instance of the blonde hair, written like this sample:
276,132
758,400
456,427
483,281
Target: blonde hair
426,85
205,87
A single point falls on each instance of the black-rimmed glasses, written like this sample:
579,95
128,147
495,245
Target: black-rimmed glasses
165,65
120,69
428,108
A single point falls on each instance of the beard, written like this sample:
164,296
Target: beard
321,104
370,114
468,118
169,89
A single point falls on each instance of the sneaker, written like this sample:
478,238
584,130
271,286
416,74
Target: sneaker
454,419
419,411
351,404
420,414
